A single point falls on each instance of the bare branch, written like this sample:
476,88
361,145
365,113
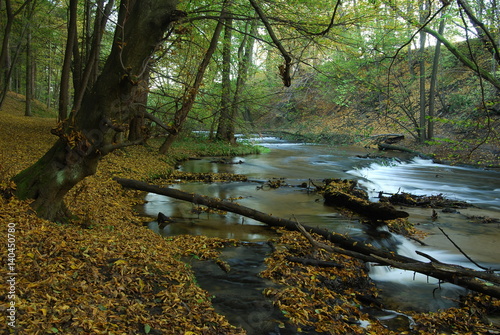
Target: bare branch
284,69
463,253
111,147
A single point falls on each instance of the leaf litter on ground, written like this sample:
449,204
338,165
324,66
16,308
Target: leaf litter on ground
104,273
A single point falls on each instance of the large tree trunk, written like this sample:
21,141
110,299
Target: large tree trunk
480,281
87,75
88,134
138,110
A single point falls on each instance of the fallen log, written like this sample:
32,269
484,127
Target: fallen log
385,146
344,193
479,281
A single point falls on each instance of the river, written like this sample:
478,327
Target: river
299,163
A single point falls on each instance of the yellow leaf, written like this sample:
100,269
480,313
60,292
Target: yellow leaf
120,261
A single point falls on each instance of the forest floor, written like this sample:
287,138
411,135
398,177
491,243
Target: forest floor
103,272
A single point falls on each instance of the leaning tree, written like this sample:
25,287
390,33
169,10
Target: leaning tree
88,133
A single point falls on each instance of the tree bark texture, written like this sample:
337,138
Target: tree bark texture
484,282
88,134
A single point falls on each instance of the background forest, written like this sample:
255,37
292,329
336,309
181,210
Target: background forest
339,71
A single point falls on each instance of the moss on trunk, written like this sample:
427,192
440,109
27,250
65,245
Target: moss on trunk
51,177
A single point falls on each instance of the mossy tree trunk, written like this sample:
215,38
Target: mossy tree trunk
88,135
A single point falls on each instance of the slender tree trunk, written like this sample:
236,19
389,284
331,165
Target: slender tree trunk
422,123
6,63
5,52
88,135
29,75
434,75
225,130
66,68
48,88
191,92
89,73
245,61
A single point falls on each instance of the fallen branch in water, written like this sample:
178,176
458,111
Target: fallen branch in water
385,146
479,281
463,253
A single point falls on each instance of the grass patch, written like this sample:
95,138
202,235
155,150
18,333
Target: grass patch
200,146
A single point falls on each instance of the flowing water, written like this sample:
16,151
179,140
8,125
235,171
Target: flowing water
307,164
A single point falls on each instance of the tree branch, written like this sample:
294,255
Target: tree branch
158,122
284,69
111,147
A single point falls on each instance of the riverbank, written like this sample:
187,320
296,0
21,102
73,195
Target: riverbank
479,146
103,272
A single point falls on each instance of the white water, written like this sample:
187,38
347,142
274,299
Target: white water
423,177
408,248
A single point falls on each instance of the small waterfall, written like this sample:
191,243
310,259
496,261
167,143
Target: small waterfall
407,289
424,177
405,247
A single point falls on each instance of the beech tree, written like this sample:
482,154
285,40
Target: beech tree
87,135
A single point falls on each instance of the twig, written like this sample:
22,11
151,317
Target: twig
314,262
427,256
111,147
317,244
463,253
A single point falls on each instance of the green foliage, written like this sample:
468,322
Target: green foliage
201,145
461,101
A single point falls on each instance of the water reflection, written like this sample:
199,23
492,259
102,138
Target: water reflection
287,202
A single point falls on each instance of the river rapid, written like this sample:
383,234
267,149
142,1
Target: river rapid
299,164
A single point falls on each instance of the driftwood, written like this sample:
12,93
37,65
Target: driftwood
387,138
383,138
314,262
385,146
431,201
345,194
479,281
